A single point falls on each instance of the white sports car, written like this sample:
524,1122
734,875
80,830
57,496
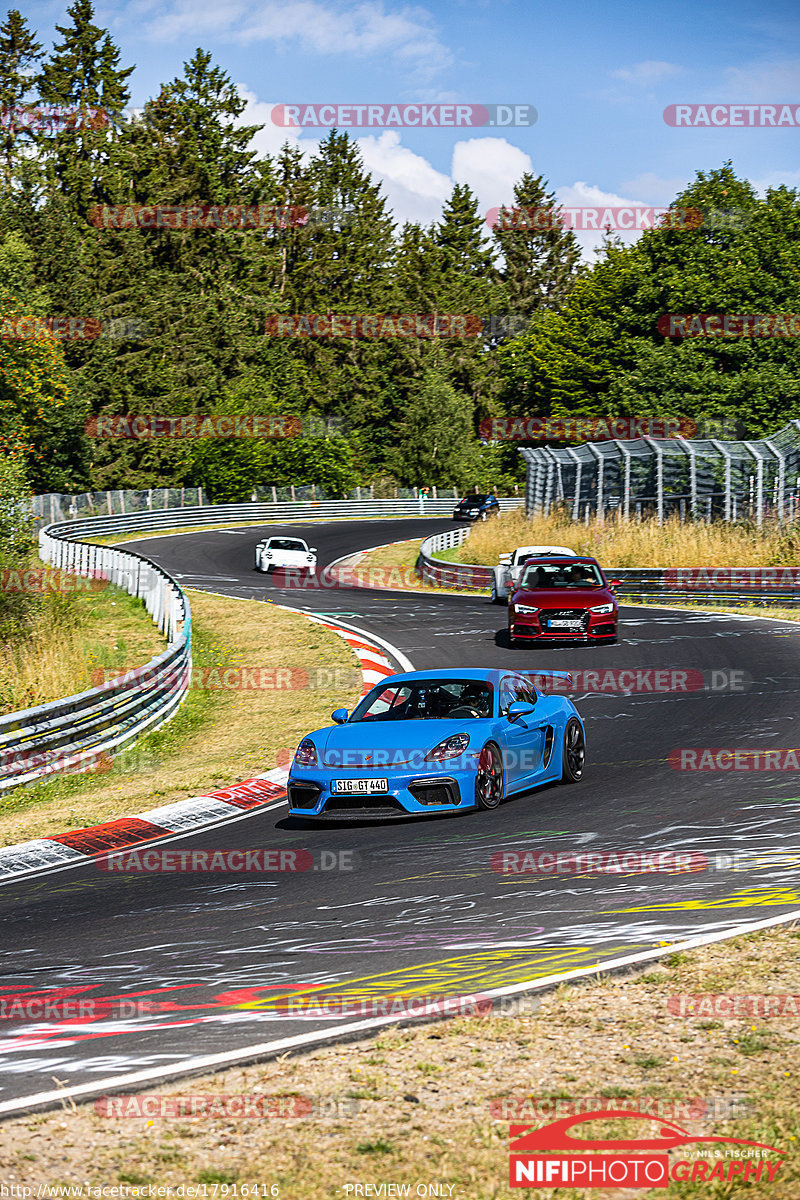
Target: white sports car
506,575
285,552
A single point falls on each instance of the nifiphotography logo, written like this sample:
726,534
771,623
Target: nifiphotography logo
661,1154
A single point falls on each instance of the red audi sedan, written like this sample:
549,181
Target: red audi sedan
566,599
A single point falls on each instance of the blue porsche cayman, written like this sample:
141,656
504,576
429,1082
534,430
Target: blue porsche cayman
433,742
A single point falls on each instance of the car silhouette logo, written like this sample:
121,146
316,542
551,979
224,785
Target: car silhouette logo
556,1136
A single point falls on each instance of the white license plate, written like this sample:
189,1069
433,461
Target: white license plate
558,624
360,786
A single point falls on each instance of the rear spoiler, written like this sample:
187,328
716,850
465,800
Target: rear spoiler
546,674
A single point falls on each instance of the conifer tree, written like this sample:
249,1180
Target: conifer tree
19,51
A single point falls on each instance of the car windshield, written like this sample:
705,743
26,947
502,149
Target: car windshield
561,575
431,699
285,544
474,500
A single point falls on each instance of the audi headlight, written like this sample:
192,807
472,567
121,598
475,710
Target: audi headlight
602,608
306,754
451,747
525,608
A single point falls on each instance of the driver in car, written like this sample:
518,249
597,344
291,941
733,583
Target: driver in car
474,696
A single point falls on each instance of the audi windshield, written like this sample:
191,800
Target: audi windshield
561,575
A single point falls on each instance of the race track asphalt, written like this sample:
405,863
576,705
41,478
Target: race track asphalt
420,910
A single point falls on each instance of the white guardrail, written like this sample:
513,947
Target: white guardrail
74,733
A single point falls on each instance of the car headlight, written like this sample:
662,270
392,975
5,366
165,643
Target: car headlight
451,747
602,608
306,754
525,608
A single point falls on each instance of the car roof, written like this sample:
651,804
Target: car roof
478,674
557,558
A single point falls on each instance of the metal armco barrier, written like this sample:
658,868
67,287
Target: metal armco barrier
449,574
298,510
79,731
745,585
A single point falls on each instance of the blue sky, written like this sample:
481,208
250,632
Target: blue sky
599,74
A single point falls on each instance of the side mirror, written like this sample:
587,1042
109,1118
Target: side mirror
615,583
312,549
505,559
519,708
339,716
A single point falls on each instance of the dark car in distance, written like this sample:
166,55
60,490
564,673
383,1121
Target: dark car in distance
560,599
476,508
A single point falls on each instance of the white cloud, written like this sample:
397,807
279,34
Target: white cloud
654,189
415,190
763,81
491,166
646,73
776,179
270,139
363,30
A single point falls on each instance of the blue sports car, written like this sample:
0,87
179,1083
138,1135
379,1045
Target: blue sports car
437,742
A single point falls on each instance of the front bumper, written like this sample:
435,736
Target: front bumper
597,627
306,568
410,793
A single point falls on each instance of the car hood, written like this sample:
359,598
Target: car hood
390,743
563,597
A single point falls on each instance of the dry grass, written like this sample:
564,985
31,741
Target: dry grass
73,636
425,1095
620,543
219,735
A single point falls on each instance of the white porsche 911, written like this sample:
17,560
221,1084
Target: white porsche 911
506,575
283,552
